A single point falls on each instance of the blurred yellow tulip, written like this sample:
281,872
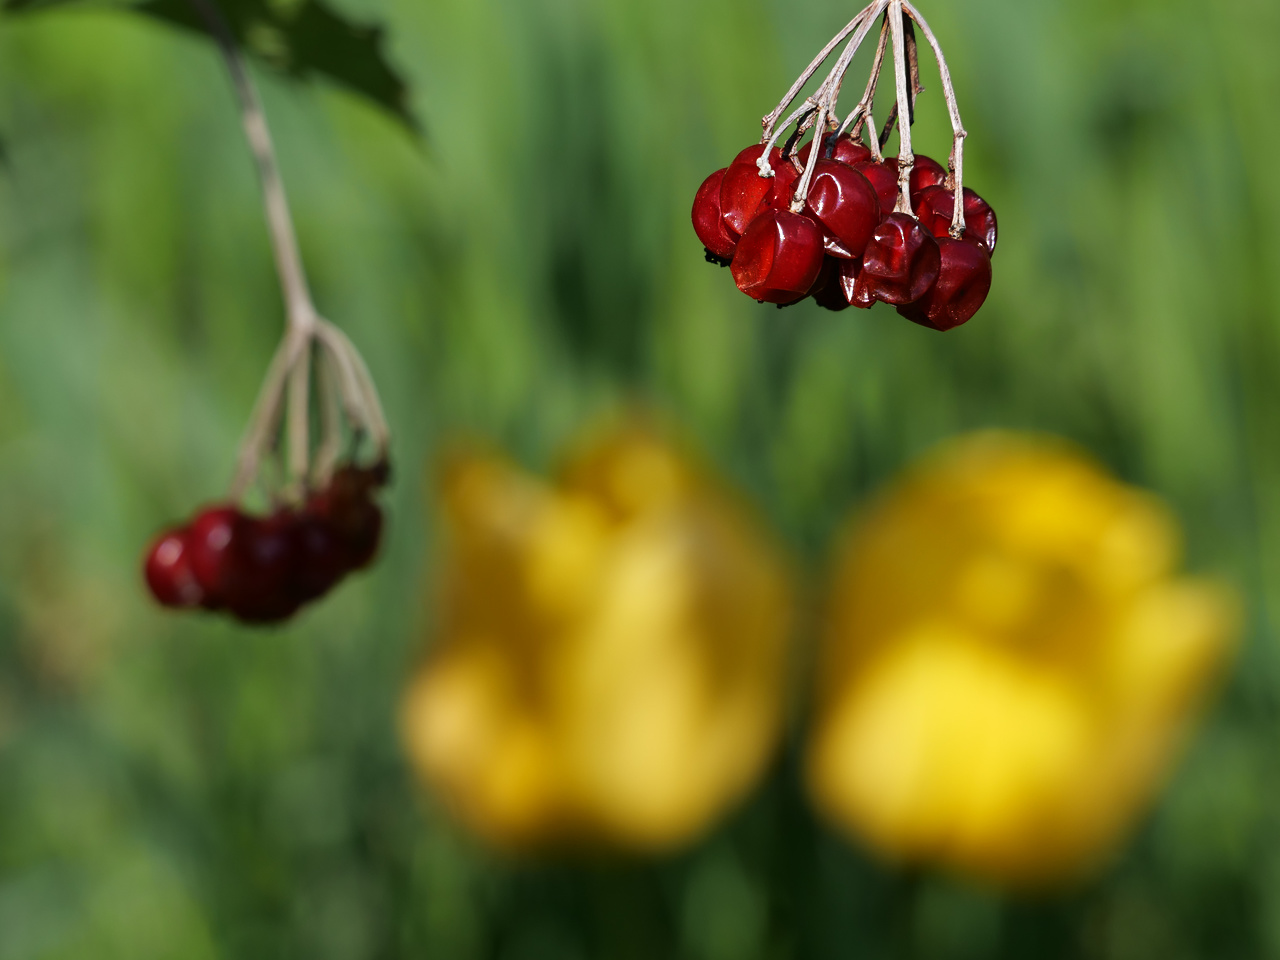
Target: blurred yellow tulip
1007,662
612,651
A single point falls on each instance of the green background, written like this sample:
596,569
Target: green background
175,786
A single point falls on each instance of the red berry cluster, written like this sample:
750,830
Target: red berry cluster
846,246
262,569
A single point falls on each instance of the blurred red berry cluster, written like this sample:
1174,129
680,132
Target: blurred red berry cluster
262,569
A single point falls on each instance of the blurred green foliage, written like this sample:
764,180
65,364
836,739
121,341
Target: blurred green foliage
304,38
178,787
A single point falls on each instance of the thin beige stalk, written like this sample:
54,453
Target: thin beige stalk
285,397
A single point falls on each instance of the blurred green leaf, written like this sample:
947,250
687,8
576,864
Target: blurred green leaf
304,39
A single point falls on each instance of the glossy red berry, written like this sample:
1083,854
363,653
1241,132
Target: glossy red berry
827,290
210,542
779,257
884,179
845,204
263,558
168,571
782,188
936,206
845,149
708,223
849,273
743,189
964,280
926,172
901,262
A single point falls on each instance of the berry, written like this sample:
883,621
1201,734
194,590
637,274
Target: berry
901,262
348,508
964,280
782,188
365,537
927,172
936,206
209,542
779,257
168,571
708,223
244,563
320,561
263,558
827,289
854,235
844,203
261,569
743,189
845,149
849,272
379,475
884,179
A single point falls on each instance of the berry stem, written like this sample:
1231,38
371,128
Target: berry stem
906,159
772,118
801,114
265,416
299,414
345,386
890,122
364,408
913,66
826,97
862,113
330,416
284,240
832,85
802,189
913,85
953,109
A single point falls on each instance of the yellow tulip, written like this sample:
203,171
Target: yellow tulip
611,657
1007,662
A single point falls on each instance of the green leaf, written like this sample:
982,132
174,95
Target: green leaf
303,38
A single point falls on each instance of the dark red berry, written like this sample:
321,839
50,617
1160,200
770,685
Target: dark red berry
168,571
261,569
743,189
782,188
901,262
827,290
708,223
364,538
936,206
210,540
962,286
321,558
845,149
380,473
884,180
927,172
264,556
350,484
779,257
348,508
244,563
844,202
849,272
